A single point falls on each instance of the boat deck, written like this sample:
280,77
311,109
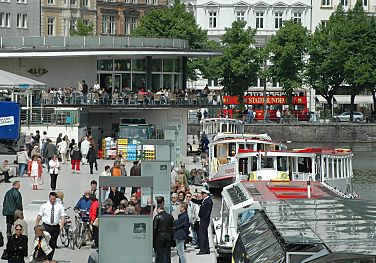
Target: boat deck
269,190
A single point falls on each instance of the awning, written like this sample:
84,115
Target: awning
321,99
11,80
359,99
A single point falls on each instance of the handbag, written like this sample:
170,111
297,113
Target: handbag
39,253
4,256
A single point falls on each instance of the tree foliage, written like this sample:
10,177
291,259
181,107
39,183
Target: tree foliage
287,49
325,68
240,61
172,22
82,29
342,54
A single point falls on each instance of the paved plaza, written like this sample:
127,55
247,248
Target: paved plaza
73,186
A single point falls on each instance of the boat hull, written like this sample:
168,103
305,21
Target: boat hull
220,182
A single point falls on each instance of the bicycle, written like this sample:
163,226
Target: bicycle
83,229
67,235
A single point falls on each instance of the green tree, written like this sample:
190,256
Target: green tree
287,49
82,29
325,68
175,22
360,51
240,61
172,22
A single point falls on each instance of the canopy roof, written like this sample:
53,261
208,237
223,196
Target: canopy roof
11,80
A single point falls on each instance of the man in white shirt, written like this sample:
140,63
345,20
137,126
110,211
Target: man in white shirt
52,215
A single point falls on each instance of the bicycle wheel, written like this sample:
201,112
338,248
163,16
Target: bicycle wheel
64,238
72,239
80,237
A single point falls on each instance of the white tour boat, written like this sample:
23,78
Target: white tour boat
279,175
223,164
211,127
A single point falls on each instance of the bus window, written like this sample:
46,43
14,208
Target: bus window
253,163
231,149
267,162
282,164
243,165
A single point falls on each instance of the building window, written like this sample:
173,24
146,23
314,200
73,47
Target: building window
324,23
130,24
240,15
212,19
21,20
73,2
108,25
365,2
51,2
72,23
151,2
2,19
297,17
85,2
278,20
259,20
325,3
7,20
50,26
22,1
344,2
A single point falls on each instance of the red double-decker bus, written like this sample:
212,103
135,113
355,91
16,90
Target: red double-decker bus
274,102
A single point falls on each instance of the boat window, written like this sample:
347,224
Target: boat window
269,147
282,163
241,146
267,162
253,163
231,149
224,127
215,152
243,165
260,147
304,165
250,146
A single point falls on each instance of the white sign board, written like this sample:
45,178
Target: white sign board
6,120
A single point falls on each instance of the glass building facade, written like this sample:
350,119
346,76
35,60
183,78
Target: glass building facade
140,74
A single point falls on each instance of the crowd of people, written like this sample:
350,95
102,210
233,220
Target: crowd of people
185,221
82,94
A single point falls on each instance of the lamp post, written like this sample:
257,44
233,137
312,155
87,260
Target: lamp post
265,111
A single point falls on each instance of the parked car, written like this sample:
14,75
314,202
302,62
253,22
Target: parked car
345,116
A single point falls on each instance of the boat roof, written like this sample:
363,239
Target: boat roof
222,136
297,152
225,120
326,226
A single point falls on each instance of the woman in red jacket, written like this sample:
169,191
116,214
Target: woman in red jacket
93,213
34,170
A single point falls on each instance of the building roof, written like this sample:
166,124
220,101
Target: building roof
10,80
14,47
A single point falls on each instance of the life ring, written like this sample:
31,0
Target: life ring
252,176
284,176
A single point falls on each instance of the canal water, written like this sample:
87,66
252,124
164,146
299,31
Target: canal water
364,165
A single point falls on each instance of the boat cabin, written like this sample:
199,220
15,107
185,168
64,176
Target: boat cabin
212,126
223,150
333,167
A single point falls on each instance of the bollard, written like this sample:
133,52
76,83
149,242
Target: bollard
309,189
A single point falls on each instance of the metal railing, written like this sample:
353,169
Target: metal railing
50,116
91,42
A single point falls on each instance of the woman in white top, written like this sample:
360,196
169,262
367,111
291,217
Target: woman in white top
63,148
54,171
41,244
34,171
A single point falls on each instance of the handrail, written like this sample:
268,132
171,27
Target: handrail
89,42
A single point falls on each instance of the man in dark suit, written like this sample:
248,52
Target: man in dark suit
204,214
162,235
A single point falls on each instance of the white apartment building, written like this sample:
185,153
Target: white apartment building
265,16
322,9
